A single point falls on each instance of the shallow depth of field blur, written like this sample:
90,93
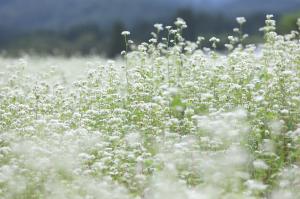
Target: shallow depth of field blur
138,99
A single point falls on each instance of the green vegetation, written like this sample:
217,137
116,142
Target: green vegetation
288,22
90,39
170,120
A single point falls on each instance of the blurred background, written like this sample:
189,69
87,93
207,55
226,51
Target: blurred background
84,27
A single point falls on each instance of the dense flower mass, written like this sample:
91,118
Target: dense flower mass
171,120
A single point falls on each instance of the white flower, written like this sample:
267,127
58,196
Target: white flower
236,30
284,111
269,16
255,185
132,139
125,33
180,23
173,31
214,40
245,36
153,40
241,20
158,26
260,164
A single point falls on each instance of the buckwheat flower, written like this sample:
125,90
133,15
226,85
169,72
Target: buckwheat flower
154,35
145,44
173,31
229,46
236,30
270,22
231,39
132,139
259,98
172,91
241,20
214,40
159,27
125,33
142,48
269,16
189,112
206,49
245,36
153,40
255,185
180,23
199,40
260,164
284,111
110,62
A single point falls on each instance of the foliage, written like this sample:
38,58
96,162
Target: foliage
91,39
288,22
172,120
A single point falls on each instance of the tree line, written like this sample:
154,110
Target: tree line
86,39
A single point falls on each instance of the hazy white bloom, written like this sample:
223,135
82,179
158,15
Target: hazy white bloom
260,164
276,126
229,46
245,36
159,27
153,40
236,29
173,31
241,20
255,185
132,138
269,16
125,33
282,194
180,23
284,111
214,39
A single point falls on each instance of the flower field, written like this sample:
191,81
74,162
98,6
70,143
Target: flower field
171,119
